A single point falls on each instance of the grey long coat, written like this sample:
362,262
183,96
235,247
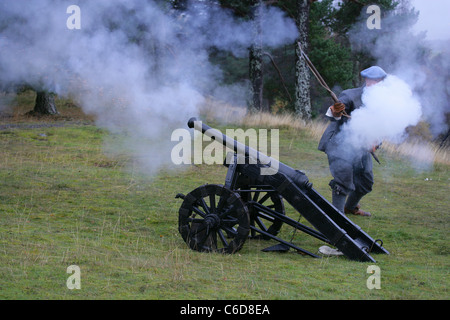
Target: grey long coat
350,168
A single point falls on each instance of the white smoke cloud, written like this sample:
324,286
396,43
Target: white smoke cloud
142,70
388,108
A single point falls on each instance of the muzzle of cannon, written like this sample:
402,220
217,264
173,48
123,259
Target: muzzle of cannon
250,204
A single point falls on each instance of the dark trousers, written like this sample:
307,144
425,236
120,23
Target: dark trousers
352,177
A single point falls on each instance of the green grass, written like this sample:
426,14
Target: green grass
63,201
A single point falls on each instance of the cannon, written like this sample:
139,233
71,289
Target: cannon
250,204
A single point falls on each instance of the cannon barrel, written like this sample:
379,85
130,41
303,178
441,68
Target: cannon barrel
268,165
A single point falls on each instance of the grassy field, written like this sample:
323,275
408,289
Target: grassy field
64,201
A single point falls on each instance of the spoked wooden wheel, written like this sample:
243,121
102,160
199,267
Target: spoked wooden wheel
264,206
213,218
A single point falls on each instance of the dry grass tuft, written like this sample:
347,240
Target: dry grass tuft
419,152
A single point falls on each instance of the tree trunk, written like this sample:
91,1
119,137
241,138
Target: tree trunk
45,103
256,79
302,85
256,62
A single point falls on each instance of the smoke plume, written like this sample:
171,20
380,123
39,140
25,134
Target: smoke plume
140,68
389,108
406,53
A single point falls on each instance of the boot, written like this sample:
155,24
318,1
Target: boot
352,205
357,211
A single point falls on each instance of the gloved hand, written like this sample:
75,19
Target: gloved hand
376,147
337,109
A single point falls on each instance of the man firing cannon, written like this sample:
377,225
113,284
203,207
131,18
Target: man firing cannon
350,166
